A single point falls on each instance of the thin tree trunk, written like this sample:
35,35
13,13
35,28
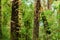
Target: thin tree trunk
59,16
45,4
14,18
46,26
49,4
36,20
45,23
58,21
0,22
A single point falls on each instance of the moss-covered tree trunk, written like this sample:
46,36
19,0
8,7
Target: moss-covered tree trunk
59,14
49,4
0,22
58,11
14,20
45,22
45,4
36,20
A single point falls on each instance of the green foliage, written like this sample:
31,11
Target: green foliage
27,10
6,14
55,4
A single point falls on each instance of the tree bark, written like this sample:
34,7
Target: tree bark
14,20
45,22
36,20
58,16
49,4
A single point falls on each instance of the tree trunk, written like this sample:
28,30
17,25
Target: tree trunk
59,16
46,26
49,4
0,22
45,4
14,20
36,20
45,23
